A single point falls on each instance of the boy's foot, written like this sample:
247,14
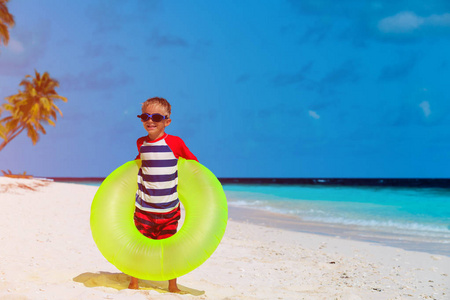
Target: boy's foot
134,284
174,289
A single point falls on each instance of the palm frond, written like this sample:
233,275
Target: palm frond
5,16
4,34
31,108
2,131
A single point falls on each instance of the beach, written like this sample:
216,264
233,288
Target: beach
47,252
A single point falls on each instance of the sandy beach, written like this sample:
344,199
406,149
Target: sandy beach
47,252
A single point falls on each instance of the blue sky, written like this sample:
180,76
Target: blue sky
315,88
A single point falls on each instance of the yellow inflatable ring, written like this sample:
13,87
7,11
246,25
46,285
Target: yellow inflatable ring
120,242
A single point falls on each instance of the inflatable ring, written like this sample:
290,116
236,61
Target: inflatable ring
120,242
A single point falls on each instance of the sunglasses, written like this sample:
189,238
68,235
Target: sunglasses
155,117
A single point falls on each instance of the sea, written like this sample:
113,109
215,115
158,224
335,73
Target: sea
412,218
415,218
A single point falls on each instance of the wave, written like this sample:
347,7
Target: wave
361,218
412,226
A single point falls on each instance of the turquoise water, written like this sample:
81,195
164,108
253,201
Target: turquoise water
412,218
410,214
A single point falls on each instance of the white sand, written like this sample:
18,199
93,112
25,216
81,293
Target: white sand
47,252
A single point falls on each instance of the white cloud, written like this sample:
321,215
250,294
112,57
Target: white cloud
425,106
402,22
24,49
407,21
313,114
15,46
439,20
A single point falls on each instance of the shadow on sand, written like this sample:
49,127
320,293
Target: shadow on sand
120,281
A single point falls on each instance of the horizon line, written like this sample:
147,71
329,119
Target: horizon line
345,181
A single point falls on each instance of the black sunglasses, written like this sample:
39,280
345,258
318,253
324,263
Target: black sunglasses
155,117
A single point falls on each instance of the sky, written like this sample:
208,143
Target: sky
313,88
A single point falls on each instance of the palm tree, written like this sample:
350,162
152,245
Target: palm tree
29,108
6,20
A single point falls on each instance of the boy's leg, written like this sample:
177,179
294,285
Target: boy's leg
173,288
134,283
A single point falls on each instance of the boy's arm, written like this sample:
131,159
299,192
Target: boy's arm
179,148
139,143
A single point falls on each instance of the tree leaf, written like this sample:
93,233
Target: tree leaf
31,107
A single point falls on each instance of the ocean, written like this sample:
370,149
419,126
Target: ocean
412,218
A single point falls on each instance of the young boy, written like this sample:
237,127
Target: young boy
157,206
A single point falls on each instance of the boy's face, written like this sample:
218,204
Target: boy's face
155,129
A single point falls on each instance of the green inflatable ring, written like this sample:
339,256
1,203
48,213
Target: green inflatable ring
120,242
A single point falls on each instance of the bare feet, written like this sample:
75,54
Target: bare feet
134,284
173,288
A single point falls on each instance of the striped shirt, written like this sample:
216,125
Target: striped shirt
158,175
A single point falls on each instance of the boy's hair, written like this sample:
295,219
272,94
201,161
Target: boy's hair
158,101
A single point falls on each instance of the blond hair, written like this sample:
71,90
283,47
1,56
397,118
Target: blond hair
158,101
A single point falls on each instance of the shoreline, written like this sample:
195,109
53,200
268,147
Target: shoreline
346,232
321,181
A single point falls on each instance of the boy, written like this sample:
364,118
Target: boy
157,206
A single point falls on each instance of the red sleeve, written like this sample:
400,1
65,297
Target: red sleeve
139,143
179,148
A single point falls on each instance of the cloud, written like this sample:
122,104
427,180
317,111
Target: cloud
293,78
16,46
24,50
109,16
355,8
316,33
343,74
159,41
400,23
397,71
425,106
98,50
346,72
387,20
439,20
101,77
201,49
328,7
288,79
407,22
313,114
